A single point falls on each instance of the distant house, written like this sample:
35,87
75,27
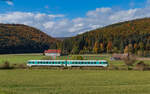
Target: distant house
52,52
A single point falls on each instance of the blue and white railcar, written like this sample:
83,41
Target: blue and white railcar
87,63
47,63
69,63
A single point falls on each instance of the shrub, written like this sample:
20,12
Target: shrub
129,61
112,67
22,66
77,58
141,66
14,65
6,65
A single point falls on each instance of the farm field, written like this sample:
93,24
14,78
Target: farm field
48,81
74,82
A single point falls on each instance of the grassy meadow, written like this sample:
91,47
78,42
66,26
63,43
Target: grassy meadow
74,82
48,81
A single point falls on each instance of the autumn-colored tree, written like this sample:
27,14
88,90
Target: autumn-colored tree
101,47
141,45
115,50
130,48
96,47
75,50
126,50
109,47
147,46
135,48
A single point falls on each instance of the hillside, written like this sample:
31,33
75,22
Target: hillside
16,38
132,36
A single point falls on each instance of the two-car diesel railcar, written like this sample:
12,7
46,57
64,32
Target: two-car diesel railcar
68,63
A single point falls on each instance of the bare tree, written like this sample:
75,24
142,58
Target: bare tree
129,60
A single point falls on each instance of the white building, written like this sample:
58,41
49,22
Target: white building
52,52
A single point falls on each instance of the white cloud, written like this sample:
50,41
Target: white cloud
10,3
59,25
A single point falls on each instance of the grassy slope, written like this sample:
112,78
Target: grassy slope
74,82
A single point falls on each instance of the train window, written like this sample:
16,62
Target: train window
99,62
38,62
105,62
52,62
94,62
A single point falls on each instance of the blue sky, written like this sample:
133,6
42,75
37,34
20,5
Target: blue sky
71,8
61,18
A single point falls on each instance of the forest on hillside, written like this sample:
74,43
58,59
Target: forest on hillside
17,38
130,36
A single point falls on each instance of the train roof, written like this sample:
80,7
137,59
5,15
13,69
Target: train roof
71,60
86,60
47,60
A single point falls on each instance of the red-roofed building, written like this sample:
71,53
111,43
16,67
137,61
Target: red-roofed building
52,52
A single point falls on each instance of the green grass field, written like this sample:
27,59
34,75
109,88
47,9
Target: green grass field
42,81
74,82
